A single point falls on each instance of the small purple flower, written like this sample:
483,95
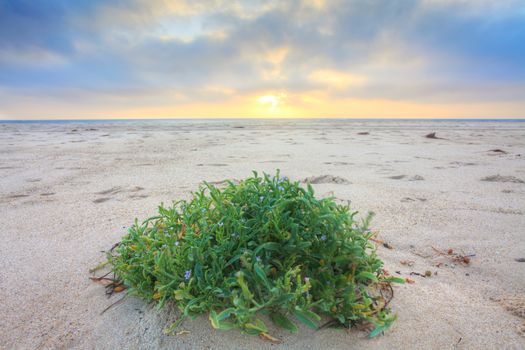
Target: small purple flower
220,224
258,258
235,235
187,275
283,179
323,238
307,279
261,198
281,188
203,210
177,243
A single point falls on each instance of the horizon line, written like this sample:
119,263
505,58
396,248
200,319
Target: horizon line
255,118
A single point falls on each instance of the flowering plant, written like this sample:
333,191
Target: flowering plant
265,245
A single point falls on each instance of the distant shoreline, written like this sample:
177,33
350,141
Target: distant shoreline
234,120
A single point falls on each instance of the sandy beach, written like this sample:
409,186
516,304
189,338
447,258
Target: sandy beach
69,191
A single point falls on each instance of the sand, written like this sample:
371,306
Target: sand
68,192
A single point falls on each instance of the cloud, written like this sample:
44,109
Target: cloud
336,79
178,53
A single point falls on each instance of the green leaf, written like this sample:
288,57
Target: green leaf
284,322
261,275
302,316
225,314
257,326
217,324
310,314
365,275
271,246
213,319
378,330
395,279
244,287
233,260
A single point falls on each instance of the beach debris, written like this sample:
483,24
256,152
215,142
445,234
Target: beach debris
383,243
114,304
456,257
409,280
501,178
520,259
407,262
102,280
267,337
182,333
414,273
325,179
363,133
112,285
118,289
432,135
427,273
497,150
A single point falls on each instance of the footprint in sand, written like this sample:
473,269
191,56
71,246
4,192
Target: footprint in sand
338,163
119,189
101,200
463,163
515,304
500,178
138,196
214,164
47,194
408,199
18,196
496,151
325,179
397,177
113,190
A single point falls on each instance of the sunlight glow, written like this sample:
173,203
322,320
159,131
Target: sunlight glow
271,100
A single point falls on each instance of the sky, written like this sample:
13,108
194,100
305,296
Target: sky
63,59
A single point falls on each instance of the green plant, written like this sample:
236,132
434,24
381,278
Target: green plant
263,245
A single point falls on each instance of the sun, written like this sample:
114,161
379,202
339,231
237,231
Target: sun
270,100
